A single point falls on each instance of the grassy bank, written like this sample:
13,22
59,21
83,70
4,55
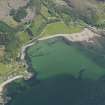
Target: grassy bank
60,28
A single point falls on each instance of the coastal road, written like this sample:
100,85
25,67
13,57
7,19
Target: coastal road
9,81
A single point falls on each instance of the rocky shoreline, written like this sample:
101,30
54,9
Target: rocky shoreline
76,37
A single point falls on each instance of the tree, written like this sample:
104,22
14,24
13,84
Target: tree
18,14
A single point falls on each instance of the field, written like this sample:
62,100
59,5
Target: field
51,58
37,23
23,37
60,28
4,68
9,70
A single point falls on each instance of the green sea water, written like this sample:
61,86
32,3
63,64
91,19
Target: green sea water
50,58
58,66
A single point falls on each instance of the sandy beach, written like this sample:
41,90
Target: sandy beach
86,35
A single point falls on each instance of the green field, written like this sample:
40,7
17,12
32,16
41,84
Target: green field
7,70
23,37
4,68
51,58
37,25
60,28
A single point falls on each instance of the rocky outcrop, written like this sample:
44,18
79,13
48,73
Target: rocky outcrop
3,99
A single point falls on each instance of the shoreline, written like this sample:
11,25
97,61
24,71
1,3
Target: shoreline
5,99
9,81
85,35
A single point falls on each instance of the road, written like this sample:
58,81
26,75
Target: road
9,81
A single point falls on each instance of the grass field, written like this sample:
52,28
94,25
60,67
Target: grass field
60,28
59,58
7,70
37,24
4,68
23,37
